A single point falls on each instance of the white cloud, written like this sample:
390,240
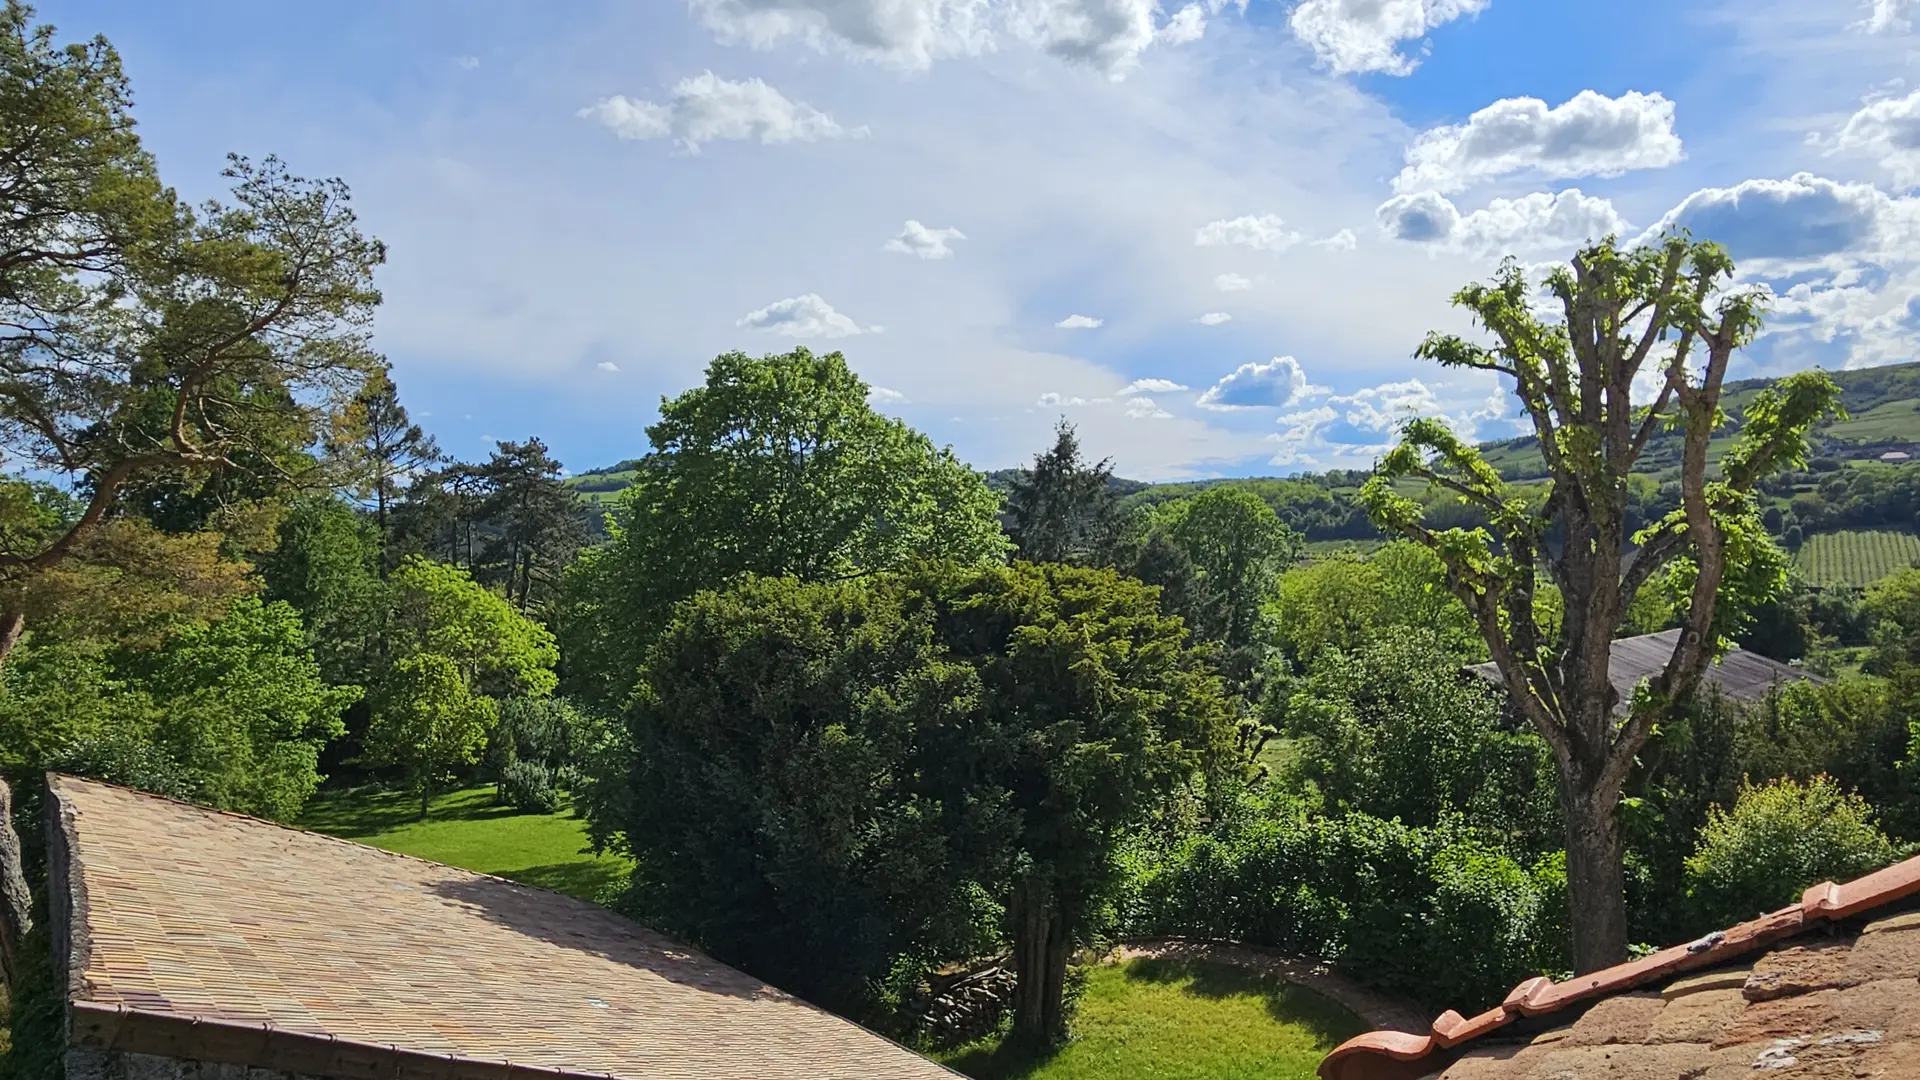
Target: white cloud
1108,35
1539,222
1052,400
1801,220
1888,131
1273,385
1145,408
1352,36
1264,233
607,365
1214,318
1080,322
1888,17
1590,135
1151,386
917,239
1232,283
706,108
466,63
1298,432
1382,408
805,316
1344,240
880,395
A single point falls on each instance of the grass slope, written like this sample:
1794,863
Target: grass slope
469,830
1857,557
1180,1020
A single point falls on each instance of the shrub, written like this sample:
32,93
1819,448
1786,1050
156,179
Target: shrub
1778,839
529,786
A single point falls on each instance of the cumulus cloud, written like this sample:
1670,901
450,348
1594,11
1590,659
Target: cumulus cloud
1108,35
1145,408
1232,283
1350,428
706,108
1299,431
1888,17
1080,322
1266,232
1273,385
1344,240
1151,386
1888,131
1537,222
1590,135
607,365
880,395
1052,400
1804,218
466,63
1214,318
806,316
1354,36
917,239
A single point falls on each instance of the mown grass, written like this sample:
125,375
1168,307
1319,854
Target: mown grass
468,829
1179,1020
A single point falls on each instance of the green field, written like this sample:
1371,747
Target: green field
1889,421
469,830
1855,557
1180,1020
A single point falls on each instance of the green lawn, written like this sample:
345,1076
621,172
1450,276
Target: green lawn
1181,1020
469,830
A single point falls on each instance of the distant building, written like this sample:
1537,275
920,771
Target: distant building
198,945
1896,456
1741,675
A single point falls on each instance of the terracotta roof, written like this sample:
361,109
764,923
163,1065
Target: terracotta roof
1845,988
1739,674
216,937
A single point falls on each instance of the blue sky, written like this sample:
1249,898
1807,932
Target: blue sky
1210,233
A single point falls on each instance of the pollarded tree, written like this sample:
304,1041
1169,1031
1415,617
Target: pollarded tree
1666,310
138,337
775,466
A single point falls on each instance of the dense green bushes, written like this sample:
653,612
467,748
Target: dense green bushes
1435,913
1779,838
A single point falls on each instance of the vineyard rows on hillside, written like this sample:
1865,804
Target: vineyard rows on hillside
1856,557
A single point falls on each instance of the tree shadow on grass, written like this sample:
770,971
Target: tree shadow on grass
597,880
1326,1019
1001,1061
354,815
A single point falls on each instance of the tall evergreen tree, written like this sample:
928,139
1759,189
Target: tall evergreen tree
1063,510
380,448
536,524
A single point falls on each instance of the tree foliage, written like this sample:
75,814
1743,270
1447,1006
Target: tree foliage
1779,838
1063,508
142,337
774,466
1666,308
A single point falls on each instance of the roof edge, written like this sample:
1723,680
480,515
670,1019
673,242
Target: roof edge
1380,1054
225,1042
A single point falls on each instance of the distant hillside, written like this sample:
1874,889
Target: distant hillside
1883,404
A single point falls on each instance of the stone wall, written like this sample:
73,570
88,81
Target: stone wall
94,1063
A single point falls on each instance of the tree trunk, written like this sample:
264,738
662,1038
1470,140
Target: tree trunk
16,904
1596,878
12,625
1039,962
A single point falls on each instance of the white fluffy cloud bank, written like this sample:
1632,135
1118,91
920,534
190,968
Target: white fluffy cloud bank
1354,36
706,108
805,316
1589,135
1803,219
916,239
1080,322
1276,384
1107,35
1537,223
1267,232
1888,132
1888,17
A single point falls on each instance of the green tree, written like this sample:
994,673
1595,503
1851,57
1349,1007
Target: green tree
378,447
1063,509
775,466
141,337
1236,540
327,565
1779,838
1090,709
1668,308
537,520
457,650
